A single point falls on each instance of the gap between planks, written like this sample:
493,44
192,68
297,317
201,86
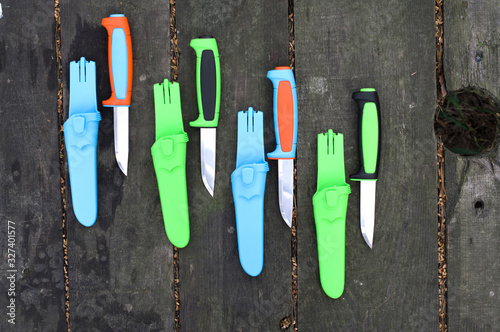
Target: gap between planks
62,159
295,288
174,73
441,190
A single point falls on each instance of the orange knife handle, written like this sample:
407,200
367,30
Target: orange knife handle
285,113
119,59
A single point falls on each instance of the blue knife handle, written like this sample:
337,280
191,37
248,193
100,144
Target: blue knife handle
120,60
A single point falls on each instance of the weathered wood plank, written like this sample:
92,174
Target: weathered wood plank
121,268
29,162
340,48
216,294
472,184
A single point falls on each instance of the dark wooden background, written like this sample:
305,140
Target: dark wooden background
121,270
472,59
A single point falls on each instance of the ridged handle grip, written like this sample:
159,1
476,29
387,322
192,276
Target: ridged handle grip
369,137
208,84
285,113
119,59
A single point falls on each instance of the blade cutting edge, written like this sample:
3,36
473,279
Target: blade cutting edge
285,189
207,151
367,210
120,119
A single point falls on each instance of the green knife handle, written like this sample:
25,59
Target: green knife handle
208,86
368,134
169,160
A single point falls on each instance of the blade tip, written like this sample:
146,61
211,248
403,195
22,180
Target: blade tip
287,218
209,187
123,167
368,241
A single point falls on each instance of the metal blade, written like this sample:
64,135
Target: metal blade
285,189
367,210
121,136
207,150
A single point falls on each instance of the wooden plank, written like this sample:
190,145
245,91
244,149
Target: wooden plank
121,268
473,240
30,199
340,48
216,294
472,243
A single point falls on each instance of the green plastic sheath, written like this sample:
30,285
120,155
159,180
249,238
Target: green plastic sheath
168,116
369,132
330,160
169,159
199,45
330,208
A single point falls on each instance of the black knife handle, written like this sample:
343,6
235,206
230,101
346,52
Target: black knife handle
208,86
369,134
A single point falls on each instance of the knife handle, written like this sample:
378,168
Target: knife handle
119,59
369,136
285,113
207,81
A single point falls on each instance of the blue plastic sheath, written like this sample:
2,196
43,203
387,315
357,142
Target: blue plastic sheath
248,182
80,135
82,97
276,76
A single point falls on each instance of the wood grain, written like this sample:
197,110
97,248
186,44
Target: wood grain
340,48
216,294
121,268
472,184
29,165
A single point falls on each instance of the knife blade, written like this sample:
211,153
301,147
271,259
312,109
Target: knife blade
208,94
369,139
120,77
285,128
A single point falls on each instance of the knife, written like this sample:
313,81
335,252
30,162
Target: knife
285,128
120,77
208,94
369,139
